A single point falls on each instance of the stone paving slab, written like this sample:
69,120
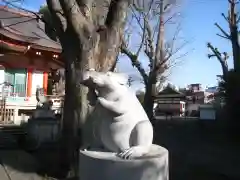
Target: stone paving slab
3,174
18,165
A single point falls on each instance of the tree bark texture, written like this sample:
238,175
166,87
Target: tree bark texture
222,58
149,98
90,32
234,36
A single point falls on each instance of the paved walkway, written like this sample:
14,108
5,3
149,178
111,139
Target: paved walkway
17,165
197,153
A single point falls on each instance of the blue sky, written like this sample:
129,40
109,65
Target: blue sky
200,16
198,21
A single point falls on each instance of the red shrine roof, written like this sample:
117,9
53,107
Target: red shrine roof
23,27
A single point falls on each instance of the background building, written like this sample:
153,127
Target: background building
27,54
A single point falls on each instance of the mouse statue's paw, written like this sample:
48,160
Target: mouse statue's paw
133,152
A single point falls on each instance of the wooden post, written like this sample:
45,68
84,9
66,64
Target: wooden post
4,111
29,82
15,116
45,81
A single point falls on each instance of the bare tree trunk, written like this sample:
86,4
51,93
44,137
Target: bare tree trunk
86,44
72,107
149,98
233,24
148,101
233,20
231,80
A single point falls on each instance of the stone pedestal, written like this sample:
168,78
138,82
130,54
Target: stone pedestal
106,166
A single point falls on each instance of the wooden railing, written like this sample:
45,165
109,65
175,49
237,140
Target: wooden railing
6,114
11,108
11,103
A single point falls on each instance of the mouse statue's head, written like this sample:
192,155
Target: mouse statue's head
103,80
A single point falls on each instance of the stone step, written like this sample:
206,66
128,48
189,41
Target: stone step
12,129
8,136
7,141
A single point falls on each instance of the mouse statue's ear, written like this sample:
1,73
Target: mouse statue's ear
120,78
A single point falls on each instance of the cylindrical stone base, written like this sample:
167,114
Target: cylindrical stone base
107,166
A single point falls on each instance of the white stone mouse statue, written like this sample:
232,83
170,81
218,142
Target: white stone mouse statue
123,126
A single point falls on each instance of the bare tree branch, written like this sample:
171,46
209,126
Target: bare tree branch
180,57
226,18
170,18
99,10
143,39
176,50
75,18
137,18
222,36
117,13
136,63
85,7
218,55
143,20
57,15
170,48
225,34
150,48
113,68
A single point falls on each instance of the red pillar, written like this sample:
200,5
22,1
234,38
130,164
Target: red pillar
29,82
45,81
